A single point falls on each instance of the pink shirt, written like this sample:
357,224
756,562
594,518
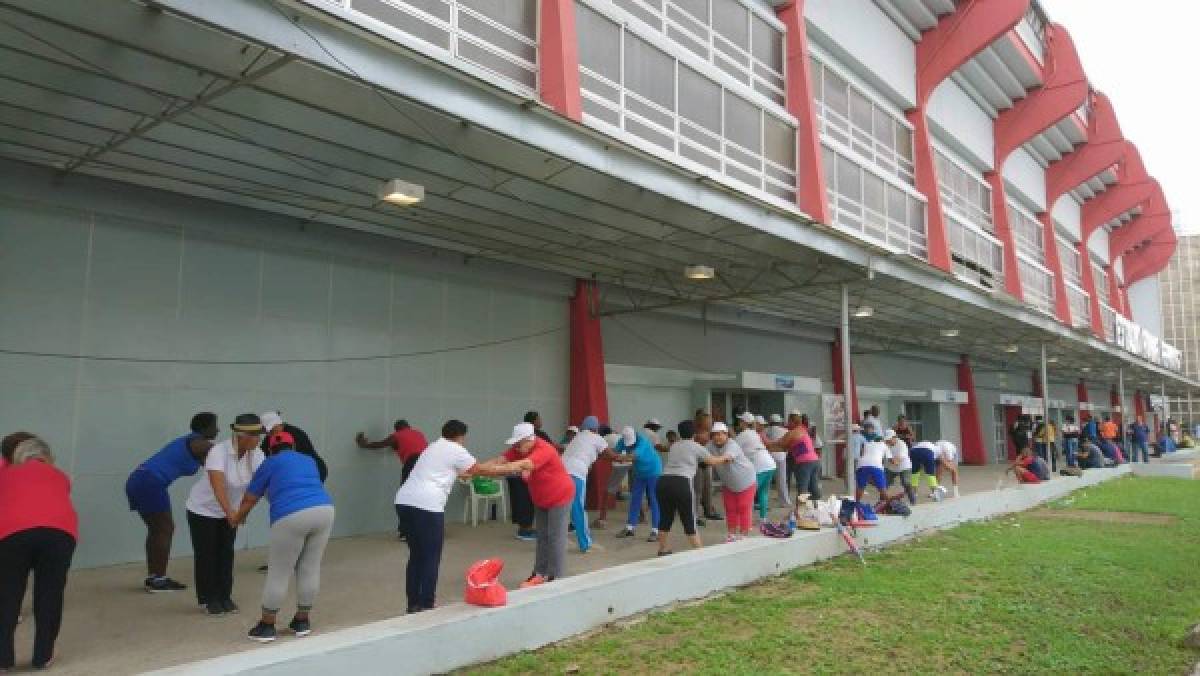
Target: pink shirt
803,450
36,495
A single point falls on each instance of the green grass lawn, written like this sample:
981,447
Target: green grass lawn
1029,593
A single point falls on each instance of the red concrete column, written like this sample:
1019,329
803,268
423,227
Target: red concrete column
558,58
1012,276
1114,398
1114,290
1150,258
811,194
588,388
1125,309
973,450
1082,394
836,354
956,39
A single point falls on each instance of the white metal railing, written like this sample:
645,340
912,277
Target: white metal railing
1071,261
1108,317
848,118
1037,285
752,53
976,256
1100,283
500,37
693,117
965,193
865,203
1080,304
1027,233
1032,31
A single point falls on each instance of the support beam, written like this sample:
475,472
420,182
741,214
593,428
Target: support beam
1155,217
1044,383
588,387
1081,394
843,384
974,452
943,49
1134,186
1150,258
811,194
558,58
1121,395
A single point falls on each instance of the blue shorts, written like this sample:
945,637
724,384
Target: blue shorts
923,461
865,476
147,494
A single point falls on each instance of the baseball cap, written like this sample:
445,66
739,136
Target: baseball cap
653,423
521,432
572,428
776,418
628,436
270,419
591,423
760,420
281,439
747,417
719,427
796,412
889,434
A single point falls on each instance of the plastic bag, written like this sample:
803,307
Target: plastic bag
485,486
483,584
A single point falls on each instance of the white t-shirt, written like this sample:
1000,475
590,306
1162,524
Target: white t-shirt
873,454
900,458
754,449
946,451
432,478
238,472
582,452
776,432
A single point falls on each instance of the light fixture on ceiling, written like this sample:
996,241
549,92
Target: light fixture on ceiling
699,272
864,311
1085,369
949,333
1051,360
401,193
1011,347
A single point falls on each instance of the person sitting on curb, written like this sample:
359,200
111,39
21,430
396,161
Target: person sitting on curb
1025,466
1089,456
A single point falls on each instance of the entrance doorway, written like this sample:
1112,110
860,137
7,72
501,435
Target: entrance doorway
726,404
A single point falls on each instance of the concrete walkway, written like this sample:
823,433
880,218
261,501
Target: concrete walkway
111,626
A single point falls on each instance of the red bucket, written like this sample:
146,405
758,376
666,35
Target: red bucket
483,584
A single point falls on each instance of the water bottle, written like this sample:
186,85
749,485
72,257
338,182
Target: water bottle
792,521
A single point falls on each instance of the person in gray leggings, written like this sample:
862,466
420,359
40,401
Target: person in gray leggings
301,521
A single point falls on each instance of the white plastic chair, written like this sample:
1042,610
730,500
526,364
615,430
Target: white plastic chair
476,502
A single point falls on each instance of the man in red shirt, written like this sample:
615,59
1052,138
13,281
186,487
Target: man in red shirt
552,491
408,442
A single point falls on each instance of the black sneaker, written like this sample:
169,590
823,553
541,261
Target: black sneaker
262,632
215,608
158,585
626,532
300,627
230,606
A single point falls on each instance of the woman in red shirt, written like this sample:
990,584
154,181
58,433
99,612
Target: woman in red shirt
551,489
38,530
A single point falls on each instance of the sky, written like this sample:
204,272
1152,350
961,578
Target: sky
1143,54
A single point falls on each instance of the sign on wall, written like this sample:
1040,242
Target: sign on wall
833,413
948,396
780,382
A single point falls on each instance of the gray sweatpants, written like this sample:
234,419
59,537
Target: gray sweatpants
297,544
551,558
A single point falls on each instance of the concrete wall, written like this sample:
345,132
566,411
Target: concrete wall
1026,180
1067,216
864,39
1098,244
104,269
1145,302
961,124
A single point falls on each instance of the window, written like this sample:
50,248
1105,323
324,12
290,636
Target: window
746,45
1027,234
976,256
1081,307
861,201
632,87
964,193
500,37
1100,280
1032,30
1037,284
1072,262
850,119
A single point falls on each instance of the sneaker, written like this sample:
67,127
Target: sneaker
939,493
599,524
158,585
44,665
625,532
262,632
527,535
230,606
533,581
300,628
666,553
956,492
215,608
653,536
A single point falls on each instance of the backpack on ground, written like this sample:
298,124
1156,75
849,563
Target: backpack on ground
893,505
1071,471
867,514
775,530
848,512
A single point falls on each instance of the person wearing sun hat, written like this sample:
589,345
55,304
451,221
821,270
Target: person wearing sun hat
146,491
213,498
302,516
551,491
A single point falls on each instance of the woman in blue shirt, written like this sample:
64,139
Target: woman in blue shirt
301,522
647,467
146,490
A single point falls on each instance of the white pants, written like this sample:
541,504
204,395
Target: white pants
781,477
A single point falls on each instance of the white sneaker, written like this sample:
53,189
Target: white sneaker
939,494
956,492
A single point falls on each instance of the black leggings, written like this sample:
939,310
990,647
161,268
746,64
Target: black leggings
426,533
521,502
675,495
47,553
212,545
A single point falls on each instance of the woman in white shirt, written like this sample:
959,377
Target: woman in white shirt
421,504
214,497
750,439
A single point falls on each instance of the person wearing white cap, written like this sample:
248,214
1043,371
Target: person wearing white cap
273,424
737,480
900,466
774,432
947,457
551,490
749,439
647,467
